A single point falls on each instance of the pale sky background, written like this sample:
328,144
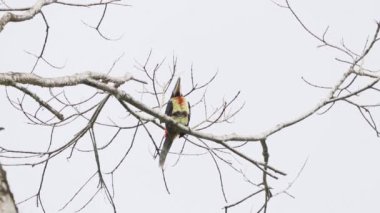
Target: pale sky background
257,48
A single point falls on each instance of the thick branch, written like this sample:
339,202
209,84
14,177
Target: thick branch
8,79
29,14
99,80
7,203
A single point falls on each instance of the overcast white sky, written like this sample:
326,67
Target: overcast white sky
258,49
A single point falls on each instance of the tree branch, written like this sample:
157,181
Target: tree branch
27,15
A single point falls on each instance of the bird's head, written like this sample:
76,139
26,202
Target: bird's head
177,89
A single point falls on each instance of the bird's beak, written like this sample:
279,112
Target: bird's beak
177,89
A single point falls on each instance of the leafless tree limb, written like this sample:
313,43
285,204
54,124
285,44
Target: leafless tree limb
7,203
226,147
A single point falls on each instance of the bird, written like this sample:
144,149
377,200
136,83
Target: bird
178,108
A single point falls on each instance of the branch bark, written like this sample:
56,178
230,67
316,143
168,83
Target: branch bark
7,203
29,14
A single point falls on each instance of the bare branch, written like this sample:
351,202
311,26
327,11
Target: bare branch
7,203
40,101
28,14
242,200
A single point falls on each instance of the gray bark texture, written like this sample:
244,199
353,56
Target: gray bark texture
7,203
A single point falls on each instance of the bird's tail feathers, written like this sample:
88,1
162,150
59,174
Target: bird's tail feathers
165,149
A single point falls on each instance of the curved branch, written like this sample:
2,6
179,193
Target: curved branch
27,15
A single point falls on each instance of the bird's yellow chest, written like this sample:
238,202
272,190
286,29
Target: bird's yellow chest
180,104
180,111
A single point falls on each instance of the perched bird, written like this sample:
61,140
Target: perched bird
178,108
